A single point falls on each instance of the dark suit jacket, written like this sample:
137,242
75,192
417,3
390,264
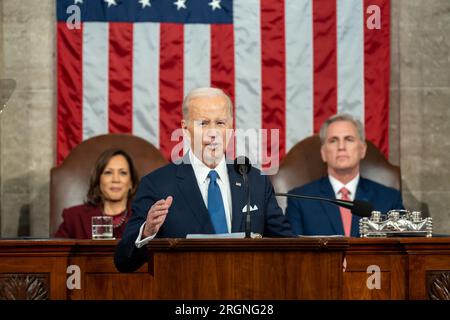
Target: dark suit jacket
188,213
311,217
77,223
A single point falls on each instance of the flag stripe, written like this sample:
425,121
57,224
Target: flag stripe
325,77
248,74
350,58
376,78
146,82
120,77
222,68
95,79
273,78
170,84
197,53
70,89
299,71
222,58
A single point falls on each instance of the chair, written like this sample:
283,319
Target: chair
69,182
303,164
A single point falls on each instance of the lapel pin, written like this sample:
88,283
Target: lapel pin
238,184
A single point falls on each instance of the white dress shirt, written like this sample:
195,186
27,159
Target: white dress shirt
201,172
351,186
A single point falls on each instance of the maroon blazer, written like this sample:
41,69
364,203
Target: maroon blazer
77,222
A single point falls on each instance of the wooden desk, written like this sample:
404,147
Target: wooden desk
37,269
311,268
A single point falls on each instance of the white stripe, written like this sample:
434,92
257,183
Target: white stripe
197,56
146,82
299,71
248,73
350,58
95,78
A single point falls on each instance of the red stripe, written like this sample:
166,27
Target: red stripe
170,84
377,77
120,77
273,78
222,67
222,58
325,61
70,90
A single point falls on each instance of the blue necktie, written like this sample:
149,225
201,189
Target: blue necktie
215,204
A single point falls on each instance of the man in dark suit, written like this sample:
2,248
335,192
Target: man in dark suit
343,147
203,194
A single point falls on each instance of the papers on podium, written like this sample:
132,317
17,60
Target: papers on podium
234,235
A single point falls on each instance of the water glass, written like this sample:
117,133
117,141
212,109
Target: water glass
102,227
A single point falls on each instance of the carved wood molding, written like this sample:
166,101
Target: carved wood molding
24,286
439,288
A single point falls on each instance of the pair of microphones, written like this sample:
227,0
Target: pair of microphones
243,166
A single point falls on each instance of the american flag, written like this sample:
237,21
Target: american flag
287,65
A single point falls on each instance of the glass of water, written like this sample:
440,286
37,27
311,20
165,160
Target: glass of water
102,227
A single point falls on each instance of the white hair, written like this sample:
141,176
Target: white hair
205,92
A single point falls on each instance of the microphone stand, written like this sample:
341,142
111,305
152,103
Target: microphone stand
357,207
242,166
342,203
248,222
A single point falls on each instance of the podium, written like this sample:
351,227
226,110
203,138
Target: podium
229,269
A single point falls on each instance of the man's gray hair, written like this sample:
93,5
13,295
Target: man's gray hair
342,117
205,92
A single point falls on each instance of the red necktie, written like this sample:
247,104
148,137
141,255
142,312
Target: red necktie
346,215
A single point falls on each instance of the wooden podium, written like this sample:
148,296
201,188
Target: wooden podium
297,268
228,269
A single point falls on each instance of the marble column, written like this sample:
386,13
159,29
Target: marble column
27,126
424,96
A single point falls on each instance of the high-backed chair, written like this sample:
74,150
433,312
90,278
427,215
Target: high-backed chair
69,182
303,164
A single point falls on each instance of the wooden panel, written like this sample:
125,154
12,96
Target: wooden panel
358,289
20,286
112,286
427,258
385,253
99,277
247,269
53,267
243,275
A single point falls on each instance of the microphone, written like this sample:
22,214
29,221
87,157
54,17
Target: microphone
243,166
358,207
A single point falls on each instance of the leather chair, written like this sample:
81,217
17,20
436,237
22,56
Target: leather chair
69,182
303,164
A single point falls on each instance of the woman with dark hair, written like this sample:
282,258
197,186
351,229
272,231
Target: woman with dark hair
112,185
